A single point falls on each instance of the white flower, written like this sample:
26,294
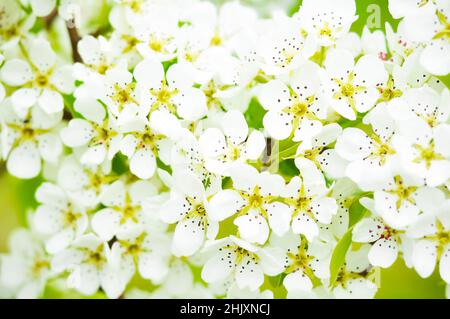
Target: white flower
59,217
430,25
327,20
424,152
385,240
308,200
150,252
96,135
27,268
303,261
254,198
403,200
39,77
354,279
233,144
123,209
147,140
372,158
186,155
297,108
351,87
83,183
28,139
173,92
14,23
244,262
284,47
432,244
89,262
317,150
97,57
188,208
41,8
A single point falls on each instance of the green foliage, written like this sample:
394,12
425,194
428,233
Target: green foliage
255,114
338,258
356,213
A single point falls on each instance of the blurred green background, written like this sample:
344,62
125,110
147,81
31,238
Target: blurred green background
17,196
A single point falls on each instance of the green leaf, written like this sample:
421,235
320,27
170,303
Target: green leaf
288,169
338,257
119,164
287,149
168,64
276,281
255,114
163,166
356,212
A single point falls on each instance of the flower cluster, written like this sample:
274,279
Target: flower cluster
210,152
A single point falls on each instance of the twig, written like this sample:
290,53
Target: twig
74,38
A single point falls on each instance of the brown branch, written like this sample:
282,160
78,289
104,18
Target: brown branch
74,38
48,20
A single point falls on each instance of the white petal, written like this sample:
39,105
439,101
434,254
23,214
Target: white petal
143,163
188,236
16,72
24,161
78,132
153,266
85,279
94,155
50,147
274,95
253,227
42,55
212,143
297,281
353,144
304,224
444,265
42,8
235,127
180,76
338,62
383,253
324,208
106,223
91,109
279,217
224,204
278,124
255,145
150,72
249,274
424,257
218,267
191,104
367,230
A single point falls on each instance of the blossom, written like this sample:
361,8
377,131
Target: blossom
245,262
189,209
173,92
97,135
297,108
123,208
308,200
234,144
40,78
89,262
352,87
28,139
59,217
27,268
